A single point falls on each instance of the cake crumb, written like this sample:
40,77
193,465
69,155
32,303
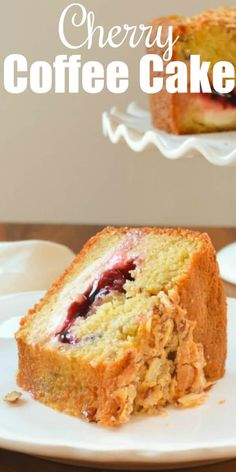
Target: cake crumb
13,397
221,402
192,400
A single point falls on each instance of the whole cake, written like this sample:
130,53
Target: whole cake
211,34
136,323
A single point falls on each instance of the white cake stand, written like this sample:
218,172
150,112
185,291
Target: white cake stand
134,127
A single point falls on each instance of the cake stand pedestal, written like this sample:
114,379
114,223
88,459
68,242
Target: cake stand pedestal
135,128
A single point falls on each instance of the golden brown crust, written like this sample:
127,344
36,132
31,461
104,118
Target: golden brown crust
76,388
163,103
202,295
218,16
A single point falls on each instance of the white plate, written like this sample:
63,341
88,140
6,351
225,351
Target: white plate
135,128
227,262
183,437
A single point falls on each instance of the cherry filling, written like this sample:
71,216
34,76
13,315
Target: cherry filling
112,280
225,99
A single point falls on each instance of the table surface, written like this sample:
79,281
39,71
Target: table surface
75,236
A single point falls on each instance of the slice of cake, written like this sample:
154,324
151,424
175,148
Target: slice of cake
211,34
136,323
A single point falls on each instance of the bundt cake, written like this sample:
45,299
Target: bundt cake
212,35
136,323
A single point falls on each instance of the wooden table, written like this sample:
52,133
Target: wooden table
74,237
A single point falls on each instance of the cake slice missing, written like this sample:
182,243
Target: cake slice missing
136,323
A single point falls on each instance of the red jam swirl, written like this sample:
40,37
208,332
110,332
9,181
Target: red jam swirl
225,99
112,280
